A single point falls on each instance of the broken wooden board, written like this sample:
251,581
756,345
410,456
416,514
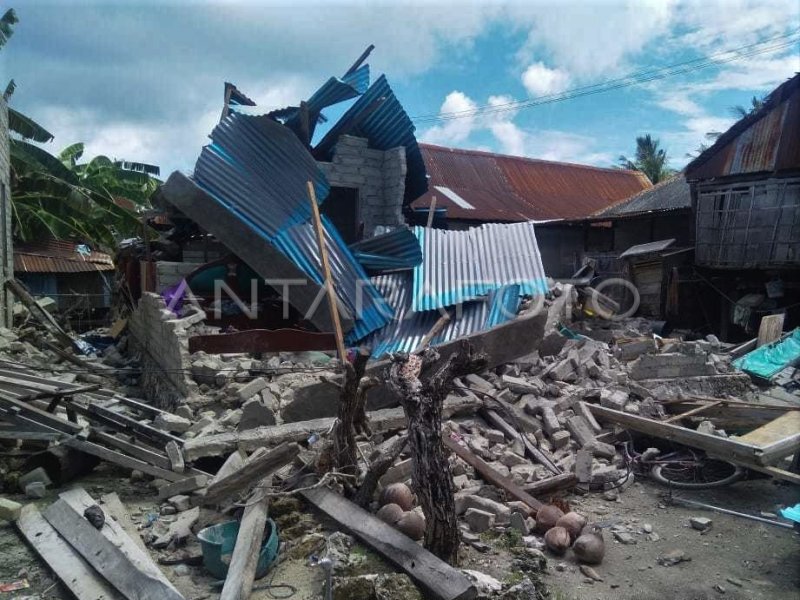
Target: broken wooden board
252,472
735,450
105,557
489,475
770,329
79,500
121,459
182,486
778,438
437,579
113,507
74,572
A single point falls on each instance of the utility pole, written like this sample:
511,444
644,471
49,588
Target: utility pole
6,247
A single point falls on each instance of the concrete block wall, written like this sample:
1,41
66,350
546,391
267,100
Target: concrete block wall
378,175
171,273
164,347
663,366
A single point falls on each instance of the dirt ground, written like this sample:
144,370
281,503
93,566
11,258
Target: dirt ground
736,558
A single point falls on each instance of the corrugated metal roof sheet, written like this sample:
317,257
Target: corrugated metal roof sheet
647,248
766,140
458,266
58,256
512,189
258,170
378,116
670,194
405,332
397,249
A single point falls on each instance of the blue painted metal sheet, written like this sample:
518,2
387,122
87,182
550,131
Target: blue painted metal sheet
407,329
398,249
357,295
458,266
378,116
258,170
332,92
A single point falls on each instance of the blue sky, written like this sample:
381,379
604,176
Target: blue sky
143,81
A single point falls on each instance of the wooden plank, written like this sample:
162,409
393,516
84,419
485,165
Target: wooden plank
326,273
105,557
114,508
121,459
231,464
437,579
250,473
489,475
551,484
694,411
778,438
247,551
42,416
149,455
79,500
126,423
70,567
722,447
182,486
770,329
532,451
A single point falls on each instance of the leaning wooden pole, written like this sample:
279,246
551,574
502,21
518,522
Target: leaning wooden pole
326,273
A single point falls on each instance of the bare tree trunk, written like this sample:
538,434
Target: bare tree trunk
352,417
422,395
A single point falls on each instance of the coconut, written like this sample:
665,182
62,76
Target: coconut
557,540
573,523
547,517
590,547
390,513
397,493
412,524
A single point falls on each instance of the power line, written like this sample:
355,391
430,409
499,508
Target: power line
768,45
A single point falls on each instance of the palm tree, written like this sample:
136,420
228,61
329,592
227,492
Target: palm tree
740,111
650,159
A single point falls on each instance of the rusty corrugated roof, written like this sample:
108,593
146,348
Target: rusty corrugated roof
670,194
766,140
483,186
58,256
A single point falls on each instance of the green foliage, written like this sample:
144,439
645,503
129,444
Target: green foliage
650,159
7,22
96,201
27,127
740,111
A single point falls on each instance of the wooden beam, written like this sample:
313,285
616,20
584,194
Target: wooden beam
182,486
250,473
121,459
694,411
247,551
104,556
145,453
79,500
721,447
73,571
175,455
438,580
489,475
532,451
551,484
326,273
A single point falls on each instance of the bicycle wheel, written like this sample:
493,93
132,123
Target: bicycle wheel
703,474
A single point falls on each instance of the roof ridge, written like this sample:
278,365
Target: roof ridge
528,159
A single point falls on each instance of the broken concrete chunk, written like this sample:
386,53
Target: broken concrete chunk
35,490
37,474
611,398
252,388
479,520
172,423
519,522
9,510
466,501
255,413
700,523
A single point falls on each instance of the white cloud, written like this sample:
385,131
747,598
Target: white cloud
541,80
453,131
510,138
